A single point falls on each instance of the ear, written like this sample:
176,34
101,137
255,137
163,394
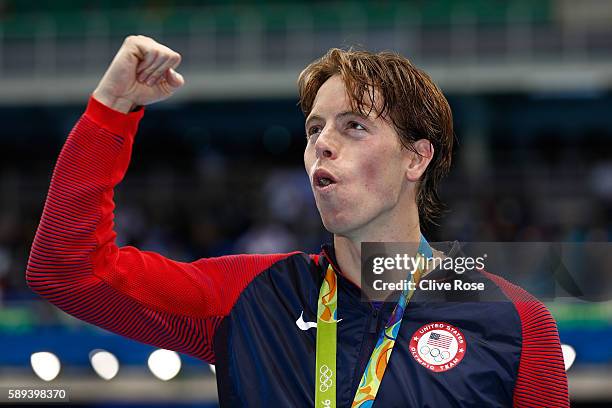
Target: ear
418,160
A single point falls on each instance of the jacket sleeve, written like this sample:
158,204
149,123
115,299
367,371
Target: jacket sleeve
75,264
541,380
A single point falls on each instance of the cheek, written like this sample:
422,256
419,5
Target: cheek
308,158
381,178
371,174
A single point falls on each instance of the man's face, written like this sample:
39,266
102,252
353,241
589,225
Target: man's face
356,165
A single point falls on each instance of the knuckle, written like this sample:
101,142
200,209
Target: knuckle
167,52
161,69
152,55
163,53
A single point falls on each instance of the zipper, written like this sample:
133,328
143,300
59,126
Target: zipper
374,321
367,346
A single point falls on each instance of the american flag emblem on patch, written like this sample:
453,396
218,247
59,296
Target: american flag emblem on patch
439,340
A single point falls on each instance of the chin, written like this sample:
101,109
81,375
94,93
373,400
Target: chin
338,224
332,224
332,228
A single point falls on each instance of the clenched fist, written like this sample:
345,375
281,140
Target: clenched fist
141,73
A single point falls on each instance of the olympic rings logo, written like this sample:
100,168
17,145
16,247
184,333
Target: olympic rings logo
435,353
325,380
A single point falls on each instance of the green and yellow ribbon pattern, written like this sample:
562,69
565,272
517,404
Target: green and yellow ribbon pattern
325,393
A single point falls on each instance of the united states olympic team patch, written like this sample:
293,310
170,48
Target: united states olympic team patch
438,346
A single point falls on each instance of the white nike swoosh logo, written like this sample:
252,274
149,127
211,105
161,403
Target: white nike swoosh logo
302,325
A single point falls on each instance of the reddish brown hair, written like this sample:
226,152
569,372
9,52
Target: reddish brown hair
410,100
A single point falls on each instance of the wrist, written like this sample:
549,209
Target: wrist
119,104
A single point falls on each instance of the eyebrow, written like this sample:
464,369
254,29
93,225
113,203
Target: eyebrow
340,115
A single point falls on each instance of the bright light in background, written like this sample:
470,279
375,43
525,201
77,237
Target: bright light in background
46,365
213,369
164,364
569,355
104,363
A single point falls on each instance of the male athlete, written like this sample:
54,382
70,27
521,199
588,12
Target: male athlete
292,330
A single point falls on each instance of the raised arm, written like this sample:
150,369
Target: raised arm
74,262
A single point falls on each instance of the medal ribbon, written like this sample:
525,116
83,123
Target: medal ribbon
325,375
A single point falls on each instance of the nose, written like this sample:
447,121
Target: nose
325,146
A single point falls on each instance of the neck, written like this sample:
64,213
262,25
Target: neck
348,246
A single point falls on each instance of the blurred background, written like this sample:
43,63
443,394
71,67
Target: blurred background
218,168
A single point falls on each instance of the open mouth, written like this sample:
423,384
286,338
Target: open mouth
323,178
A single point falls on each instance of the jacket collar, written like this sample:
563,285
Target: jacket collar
328,257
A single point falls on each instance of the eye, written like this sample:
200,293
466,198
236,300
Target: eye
313,130
356,125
